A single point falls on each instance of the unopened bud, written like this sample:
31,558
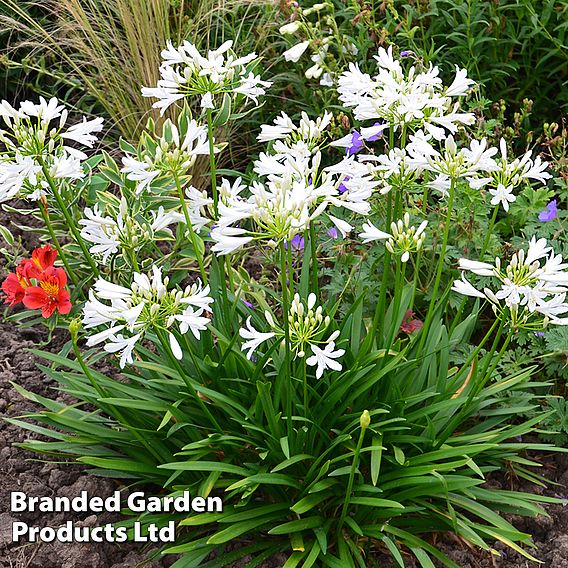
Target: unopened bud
74,328
365,420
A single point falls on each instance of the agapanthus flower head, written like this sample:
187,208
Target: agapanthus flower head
38,284
160,159
122,229
402,240
506,176
127,313
415,98
187,73
304,137
37,143
307,325
451,162
533,286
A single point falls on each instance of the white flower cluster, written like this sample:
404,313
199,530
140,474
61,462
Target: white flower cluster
147,304
185,73
413,99
532,283
36,146
173,154
419,102
124,231
292,190
306,325
401,241
505,177
450,163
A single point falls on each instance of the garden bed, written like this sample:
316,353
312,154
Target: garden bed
21,470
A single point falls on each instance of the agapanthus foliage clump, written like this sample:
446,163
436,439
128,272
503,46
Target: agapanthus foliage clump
294,335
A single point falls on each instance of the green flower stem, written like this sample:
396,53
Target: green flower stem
481,257
69,219
190,387
285,312
212,162
315,283
290,270
354,465
103,394
133,259
213,170
398,289
305,382
378,320
489,231
430,314
45,214
190,228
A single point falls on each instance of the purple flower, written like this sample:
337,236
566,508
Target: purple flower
297,243
550,213
539,333
332,233
248,304
356,144
405,53
342,188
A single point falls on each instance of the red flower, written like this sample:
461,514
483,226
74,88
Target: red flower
14,286
50,294
408,324
46,292
42,259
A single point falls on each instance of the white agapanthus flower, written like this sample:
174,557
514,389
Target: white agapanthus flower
174,153
127,313
291,190
450,163
111,234
283,129
325,358
403,239
38,145
307,325
415,99
502,180
185,73
533,283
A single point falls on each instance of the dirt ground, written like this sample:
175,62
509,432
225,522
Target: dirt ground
22,471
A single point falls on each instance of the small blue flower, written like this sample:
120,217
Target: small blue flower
297,243
405,53
550,213
342,188
248,304
332,233
356,144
